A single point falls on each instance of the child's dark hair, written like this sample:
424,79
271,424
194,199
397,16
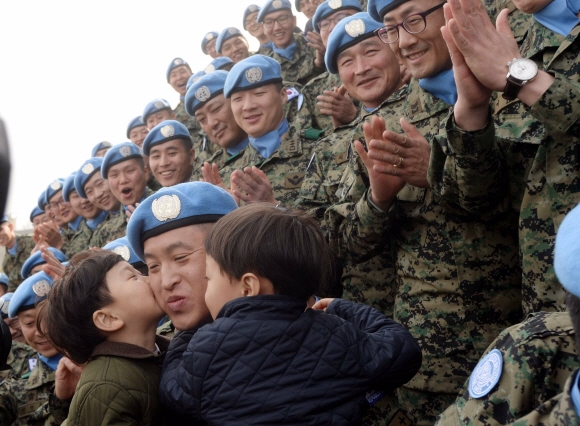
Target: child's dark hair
286,247
67,317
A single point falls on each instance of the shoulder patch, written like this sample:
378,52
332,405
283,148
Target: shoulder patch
486,374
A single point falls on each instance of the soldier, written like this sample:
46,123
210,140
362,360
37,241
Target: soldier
256,29
537,120
294,56
276,152
100,149
18,249
328,102
34,263
137,130
90,184
445,250
170,153
125,171
205,100
167,231
38,216
232,44
208,44
20,352
35,406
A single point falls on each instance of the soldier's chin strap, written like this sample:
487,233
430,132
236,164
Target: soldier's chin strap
5,345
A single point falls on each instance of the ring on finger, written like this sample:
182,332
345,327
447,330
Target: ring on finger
400,162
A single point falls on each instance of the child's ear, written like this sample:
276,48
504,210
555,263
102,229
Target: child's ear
250,285
107,322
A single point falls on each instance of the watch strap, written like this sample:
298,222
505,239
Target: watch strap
511,90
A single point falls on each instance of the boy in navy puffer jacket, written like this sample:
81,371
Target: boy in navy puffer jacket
266,359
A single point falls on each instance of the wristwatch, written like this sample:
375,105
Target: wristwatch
520,72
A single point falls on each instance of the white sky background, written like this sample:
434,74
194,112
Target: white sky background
74,73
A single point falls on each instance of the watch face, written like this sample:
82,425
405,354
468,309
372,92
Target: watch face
523,69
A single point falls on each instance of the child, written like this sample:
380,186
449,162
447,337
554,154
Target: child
103,311
266,359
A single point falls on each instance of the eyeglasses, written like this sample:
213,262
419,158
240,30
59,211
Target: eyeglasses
54,206
282,19
325,23
249,22
413,24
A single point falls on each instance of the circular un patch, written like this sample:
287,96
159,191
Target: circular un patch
203,94
55,185
166,207
125,151
209,69
233,30
167,131
277,4
334,4
209,37
178,61
486,374
41,288
253,75
123,251
88,169
355,28
159,104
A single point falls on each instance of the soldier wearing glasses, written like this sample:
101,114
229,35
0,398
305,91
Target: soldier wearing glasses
432,186
292,52
256,29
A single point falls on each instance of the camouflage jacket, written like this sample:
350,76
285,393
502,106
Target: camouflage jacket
187,120
12,265
114,226
266,51
80,240
296,110
301,68
285,167
166,330
66,234
18,359
444,257
541,144
538,357
558,411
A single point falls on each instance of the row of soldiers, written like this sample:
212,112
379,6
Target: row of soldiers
439,182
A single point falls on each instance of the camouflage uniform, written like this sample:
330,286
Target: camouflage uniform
153,183
301,68
538,357
114,226
296,110
66,234
12,265
285,167
519,21
542,146
458,276
166,330
37,405
370,282
80,240
558,411
266,51
18,359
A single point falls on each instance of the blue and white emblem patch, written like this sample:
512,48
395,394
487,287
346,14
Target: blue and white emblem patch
486,374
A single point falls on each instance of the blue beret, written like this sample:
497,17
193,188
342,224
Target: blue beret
154,106
165,131
42,201
249,10
5,303
206,39
53,188
119,153
99,146
122,247
348,32
329,7
255,71
566,247
87,170
36,259
217,64
203,90
31,291
136,122
379,8
177,206
177,62
69,186
273,6
196,76
35,212
4,279
226,35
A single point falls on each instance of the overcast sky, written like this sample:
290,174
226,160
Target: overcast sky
74,73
